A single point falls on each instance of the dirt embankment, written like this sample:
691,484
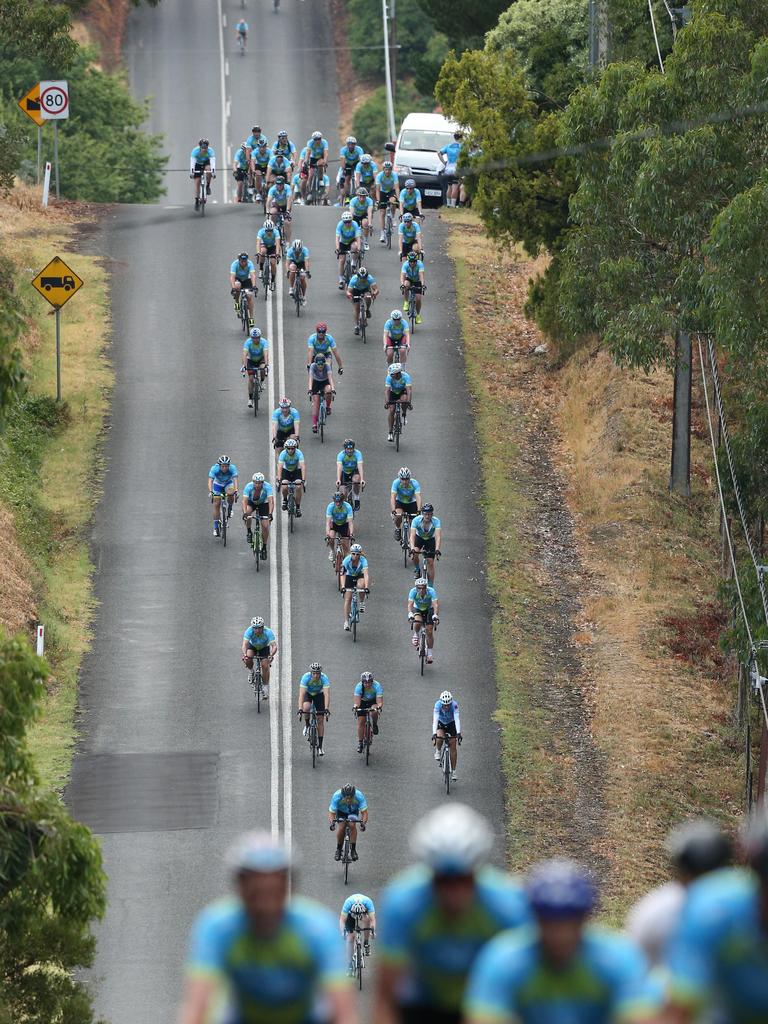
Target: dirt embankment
106,21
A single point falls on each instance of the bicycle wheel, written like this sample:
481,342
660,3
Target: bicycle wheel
388,228
359,965
411,311
353,615
297,294
337,553
313,741
259,685
255,542
363,320
447,767
368,741
405,535
224,518
346,858
422,648
397,426
321,419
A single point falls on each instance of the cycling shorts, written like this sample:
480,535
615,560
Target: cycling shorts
200,166
290,476
392,397
319,386
252,367
260,167
448,728
348,478
317,700
240,174
259,652
341,529
261,510
351,582
407,506
400,343
416,286
425,616
313,160
357,295
245,283
427,1015
344,247
219,489
298,265
365,705
386,199
359,219
405,247
270,250
426,545
347,170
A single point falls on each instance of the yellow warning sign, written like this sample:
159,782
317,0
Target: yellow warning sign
30,104
57,282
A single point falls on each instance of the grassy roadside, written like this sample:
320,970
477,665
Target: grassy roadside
49,458
640,628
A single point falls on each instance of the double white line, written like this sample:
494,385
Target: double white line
281,691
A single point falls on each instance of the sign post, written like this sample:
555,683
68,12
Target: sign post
54,106
57,283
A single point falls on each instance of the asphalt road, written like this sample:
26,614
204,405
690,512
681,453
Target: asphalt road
173,760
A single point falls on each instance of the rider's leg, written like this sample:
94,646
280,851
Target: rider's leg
360,728
454,752
315,410
297,494
249,658
440,738
264,526
356,487
265,670
347,603
328,397
217,508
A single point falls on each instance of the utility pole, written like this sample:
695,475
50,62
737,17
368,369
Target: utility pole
387,73
598,33
393,59
680,474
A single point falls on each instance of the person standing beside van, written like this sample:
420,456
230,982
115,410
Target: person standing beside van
449,158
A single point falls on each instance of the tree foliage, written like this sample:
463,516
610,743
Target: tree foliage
51,882
414,32
464,22
370,121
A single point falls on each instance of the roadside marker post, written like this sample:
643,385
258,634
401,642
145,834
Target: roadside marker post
57,283
40,640
46,182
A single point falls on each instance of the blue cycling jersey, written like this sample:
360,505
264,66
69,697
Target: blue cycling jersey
261,156
361,284
258,638
252,142
241,26
607,981
199,156
358,897
260,498
350,158
369,691
241,159
255,350
410,199
360,206
423,529
340,514
298,256
446,712
350,568
314,685
349,461
436,950
279,194
348,231
316,148
279,165
397,385
413,269
242,273
346,804
287,148
422,602
223,475
409,232
290,460
451,151
367,171
268,238
405,490
387,182
720,951
396,328
286,420
323,345
279,978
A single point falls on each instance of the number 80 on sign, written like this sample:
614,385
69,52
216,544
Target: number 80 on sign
54,100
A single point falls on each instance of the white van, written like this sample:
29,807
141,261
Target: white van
420,139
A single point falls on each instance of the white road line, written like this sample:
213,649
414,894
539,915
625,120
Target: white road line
275,689
226,68
223,87
286,669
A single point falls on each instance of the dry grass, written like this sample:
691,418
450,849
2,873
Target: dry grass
660,695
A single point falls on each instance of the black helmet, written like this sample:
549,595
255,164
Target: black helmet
348,789
204,142
256,130
754,839
242,255
338,498
366,677
428,507
348,442
698,846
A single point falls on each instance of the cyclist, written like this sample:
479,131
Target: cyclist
412,280
386,191
297,258
719,954
241,34
279,166
348,234
280,201
423,607
398,387
259,642
339,522
254,139
361,208
435,918
368,699
349,471
323,343
446,723
365,172
242,278
240,171
291,466
449,158
563,968
409,232
350,156
255,360
410,200
317,154
396,334
425,539
260,157
277,956
222,480
362,284
202,160
258,503
694,848
320,387
315,692
270,245
358,911
283,145
354,572
285,424
404,496
346,802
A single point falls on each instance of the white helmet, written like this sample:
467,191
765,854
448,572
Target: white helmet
396,314
258,478
421,582
396,368
257,622
268,225
346,216
452,840
358,909
351,140
257,851
446,697
404,473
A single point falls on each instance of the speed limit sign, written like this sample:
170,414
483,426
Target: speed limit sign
54,100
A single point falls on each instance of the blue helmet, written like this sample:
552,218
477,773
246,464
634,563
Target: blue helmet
560,889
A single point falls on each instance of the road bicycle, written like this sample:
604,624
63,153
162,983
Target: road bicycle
280,224
312,733
355,607
359,954
313,189
421,648
256,681
241,44
423,566
412,309
405,536
224,513
367,733
346,846
258,389
362,316
258,547
244,308
337,557
275,5
203,195
268,275
351,263
291,499
397,425
298,291
444,762
389,223
346,491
